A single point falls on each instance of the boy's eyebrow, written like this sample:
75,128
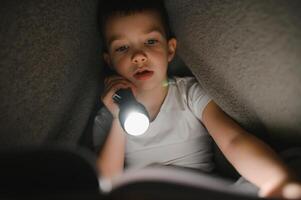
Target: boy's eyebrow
153,29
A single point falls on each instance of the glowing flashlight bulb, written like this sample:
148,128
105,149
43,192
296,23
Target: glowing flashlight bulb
133,116
136,123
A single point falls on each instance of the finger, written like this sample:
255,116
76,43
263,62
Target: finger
111,81
118,84
114,88
268,191
112,78
292,191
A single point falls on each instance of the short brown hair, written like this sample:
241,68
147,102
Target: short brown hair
109,8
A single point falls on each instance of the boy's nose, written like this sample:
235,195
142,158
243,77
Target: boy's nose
139,58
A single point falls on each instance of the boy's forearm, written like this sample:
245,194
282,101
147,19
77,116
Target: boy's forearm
110,161
256,161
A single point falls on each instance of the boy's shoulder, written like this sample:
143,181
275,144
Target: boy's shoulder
187,87
189,94
183,82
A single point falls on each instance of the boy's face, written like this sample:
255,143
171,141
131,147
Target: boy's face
138,49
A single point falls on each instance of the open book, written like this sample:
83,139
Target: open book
64,173
160,182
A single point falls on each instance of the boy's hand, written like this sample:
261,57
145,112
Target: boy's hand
286,190
111,85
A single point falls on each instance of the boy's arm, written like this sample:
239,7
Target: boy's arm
252,158
110,160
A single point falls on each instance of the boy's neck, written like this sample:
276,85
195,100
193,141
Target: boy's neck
153,99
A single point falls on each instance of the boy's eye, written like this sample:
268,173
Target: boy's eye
151,41
122,48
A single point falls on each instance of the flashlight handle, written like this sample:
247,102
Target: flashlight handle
123,95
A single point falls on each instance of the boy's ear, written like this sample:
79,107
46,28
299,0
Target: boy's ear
172,46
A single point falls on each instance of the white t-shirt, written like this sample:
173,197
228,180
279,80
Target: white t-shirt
176,136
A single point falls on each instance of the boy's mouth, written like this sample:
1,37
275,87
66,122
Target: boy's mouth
143,75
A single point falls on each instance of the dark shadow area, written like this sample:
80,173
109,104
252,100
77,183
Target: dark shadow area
177,67
51,171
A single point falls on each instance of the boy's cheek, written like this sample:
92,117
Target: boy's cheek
122,68
119,65
120,60
116,62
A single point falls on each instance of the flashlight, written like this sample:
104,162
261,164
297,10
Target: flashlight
133,116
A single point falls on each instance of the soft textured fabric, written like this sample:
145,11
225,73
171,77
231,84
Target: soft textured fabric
176,136
50,76
246,55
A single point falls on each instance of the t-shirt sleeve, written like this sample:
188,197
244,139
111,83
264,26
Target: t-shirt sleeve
197,98
101,127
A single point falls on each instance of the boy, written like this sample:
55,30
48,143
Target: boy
138,47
